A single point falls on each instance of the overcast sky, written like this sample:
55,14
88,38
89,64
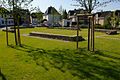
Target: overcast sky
67,4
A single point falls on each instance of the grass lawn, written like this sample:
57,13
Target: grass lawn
44,59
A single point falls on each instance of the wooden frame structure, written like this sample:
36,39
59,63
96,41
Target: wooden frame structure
91,31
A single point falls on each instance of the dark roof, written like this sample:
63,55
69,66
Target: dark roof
104,14
34,14
3,10
117,12
77,11
108,13
51,10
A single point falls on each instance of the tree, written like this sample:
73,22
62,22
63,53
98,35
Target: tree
117,21
37,14
19,4
90,5
107,22
16,6
112,21
65,15
61,12
5,13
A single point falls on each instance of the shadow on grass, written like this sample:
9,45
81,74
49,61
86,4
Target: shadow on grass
2,76
81,63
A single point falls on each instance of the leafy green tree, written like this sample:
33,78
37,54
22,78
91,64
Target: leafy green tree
20,4
37,14
107,22
4,13
117,21
16,6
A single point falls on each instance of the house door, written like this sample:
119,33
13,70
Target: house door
68,24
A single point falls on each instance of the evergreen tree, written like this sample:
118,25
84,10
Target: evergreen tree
65,15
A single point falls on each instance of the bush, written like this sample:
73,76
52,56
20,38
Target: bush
107,26
98,26
107,23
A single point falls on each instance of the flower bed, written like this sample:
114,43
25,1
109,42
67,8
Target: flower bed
109,32
9,30
56,36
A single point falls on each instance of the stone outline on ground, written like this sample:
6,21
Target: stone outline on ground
57,36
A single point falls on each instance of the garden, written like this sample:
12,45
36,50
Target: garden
51,59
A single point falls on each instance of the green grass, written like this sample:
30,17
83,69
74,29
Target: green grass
43,59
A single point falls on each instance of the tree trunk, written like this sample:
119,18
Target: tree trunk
77,46
16,42
19,39
93,35
89,35
6,32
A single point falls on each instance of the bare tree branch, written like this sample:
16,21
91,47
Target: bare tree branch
90,5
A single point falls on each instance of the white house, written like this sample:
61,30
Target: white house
10,21
9,18
52,15
83,20
101,16
66,23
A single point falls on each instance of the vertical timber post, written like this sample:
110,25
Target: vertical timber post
89,35
19,39
14,22
77,32
93,34
6,29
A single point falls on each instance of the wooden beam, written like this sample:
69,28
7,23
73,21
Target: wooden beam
93,35
89,35
77,46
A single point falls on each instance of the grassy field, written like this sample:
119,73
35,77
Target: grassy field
47,59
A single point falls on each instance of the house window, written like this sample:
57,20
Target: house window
3,22
2,16
9,22
10,16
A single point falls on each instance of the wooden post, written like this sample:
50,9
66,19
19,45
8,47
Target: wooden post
16,42
19,39
89,35
77,32
6,30
92,32
93,35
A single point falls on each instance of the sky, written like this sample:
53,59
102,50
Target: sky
67,4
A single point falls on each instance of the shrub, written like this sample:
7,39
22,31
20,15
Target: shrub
107,23
99,26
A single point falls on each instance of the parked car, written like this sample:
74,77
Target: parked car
56,25
34,25
43,25
24,25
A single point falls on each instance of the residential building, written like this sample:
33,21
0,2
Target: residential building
66,23
37,17
25,17
6,17
72,15
100,17
52,15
